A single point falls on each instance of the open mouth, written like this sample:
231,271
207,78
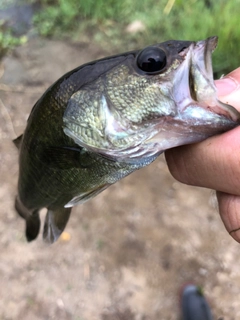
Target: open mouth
191,86
201,83
202,92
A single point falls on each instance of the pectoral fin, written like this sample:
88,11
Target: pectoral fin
83,197
55,223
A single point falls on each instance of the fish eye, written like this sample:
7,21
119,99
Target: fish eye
152,60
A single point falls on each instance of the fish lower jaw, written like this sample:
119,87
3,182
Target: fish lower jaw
214,111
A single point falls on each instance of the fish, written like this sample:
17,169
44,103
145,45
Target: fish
107,118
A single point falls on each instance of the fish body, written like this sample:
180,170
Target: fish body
103,120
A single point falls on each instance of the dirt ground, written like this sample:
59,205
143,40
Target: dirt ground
125,253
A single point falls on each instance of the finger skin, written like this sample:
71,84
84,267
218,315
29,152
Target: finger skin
229,206
213,163
232,98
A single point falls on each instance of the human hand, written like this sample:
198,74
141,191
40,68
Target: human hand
215,162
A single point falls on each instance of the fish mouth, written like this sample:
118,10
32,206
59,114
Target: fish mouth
196,72
200,73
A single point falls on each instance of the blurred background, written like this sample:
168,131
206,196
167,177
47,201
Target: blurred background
126,253
126,24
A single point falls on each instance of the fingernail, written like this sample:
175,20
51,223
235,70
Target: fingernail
226,86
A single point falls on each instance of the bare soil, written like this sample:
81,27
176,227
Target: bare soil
125,253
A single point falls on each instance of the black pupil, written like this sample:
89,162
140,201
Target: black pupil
152,59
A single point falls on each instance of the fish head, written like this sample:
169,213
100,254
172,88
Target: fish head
152,100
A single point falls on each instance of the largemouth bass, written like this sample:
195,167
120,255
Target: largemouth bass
103,120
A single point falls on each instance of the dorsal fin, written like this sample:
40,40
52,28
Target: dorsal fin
18,141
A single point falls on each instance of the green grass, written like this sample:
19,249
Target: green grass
9,41
106,22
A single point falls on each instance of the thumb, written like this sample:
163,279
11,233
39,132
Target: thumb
229,209
229,88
